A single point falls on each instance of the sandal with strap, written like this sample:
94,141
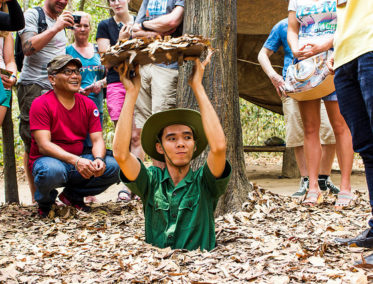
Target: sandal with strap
345,199
313,198
124,195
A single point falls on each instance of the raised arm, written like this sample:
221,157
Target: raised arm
276,79
14,21
33,42
127,162
210,120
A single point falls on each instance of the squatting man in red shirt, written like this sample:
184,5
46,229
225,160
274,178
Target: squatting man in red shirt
178,203
60,121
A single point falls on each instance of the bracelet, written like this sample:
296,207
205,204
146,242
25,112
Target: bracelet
14,76
102,159
76,163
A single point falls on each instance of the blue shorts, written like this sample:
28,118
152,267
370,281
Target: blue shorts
330,98
5,96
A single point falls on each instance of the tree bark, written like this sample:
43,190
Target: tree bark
81,5
217,20
10,170
289,164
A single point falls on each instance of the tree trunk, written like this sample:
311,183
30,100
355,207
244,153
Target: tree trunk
81,5
289,164
217,20
10,171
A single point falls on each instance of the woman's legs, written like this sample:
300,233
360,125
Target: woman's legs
310,113
345,152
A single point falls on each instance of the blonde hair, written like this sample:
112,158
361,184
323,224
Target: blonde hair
84,14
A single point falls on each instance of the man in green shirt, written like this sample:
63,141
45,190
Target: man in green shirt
178,203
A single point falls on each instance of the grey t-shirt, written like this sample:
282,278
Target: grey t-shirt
34,70
151,9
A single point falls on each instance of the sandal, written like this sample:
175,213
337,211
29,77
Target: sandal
313,198
345,200
124,195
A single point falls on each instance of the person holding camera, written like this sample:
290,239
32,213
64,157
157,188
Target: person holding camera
41,42
93,73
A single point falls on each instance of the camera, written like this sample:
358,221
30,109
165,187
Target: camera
77,19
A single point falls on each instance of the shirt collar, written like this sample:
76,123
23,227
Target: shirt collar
187,179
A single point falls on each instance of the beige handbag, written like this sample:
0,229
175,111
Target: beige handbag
310,78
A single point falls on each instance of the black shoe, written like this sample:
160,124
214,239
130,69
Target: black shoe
43,211
326,184
362,240
368,261
80,205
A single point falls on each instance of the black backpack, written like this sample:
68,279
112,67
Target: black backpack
18,52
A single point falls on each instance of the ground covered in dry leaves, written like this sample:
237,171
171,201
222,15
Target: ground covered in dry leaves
273,240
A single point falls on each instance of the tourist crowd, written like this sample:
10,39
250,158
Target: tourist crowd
61,90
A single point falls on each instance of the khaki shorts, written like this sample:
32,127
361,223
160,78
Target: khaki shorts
157,92
26,95
294,126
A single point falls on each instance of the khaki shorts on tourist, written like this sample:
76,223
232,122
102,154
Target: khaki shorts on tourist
26,95
157,92
294,127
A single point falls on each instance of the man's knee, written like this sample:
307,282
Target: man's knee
49,172
112,169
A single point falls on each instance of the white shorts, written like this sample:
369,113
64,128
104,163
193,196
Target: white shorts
294,127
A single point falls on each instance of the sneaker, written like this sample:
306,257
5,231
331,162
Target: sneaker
326,184
43,211
303,186
78,205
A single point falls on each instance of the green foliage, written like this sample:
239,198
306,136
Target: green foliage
259,124
108,128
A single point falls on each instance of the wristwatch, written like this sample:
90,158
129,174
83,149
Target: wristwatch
102,159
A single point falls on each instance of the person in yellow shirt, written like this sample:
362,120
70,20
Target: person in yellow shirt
353,66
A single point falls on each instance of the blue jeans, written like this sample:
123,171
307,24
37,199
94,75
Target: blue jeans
50,173
354,86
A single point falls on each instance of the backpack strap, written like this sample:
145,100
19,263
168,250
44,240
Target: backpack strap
42,22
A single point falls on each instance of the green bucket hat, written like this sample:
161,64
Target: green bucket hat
155,123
